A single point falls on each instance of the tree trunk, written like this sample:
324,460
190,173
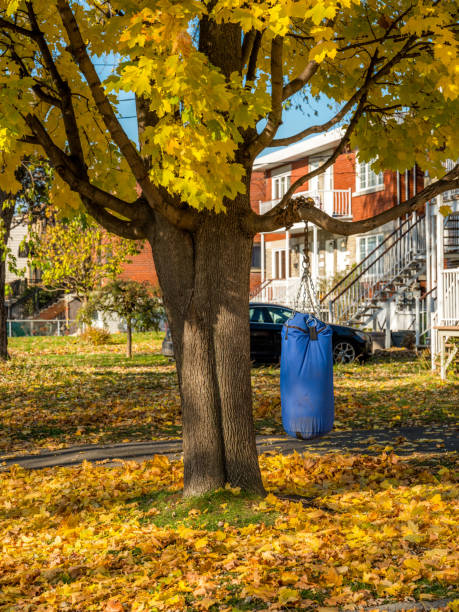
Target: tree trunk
6,218
205,284
129,340
3,312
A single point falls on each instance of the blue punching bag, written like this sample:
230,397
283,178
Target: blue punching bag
306,377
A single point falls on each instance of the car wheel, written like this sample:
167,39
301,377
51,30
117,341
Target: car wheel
344,352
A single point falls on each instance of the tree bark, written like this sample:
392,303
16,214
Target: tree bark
6,218
204,278
129,340
3,313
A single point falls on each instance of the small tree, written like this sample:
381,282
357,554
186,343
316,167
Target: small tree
130,300
77,256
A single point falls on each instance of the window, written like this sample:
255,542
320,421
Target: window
367,178
279,263
367,244
259,314
279,315
256,256
280,180
281,185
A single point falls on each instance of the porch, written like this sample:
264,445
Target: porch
334,202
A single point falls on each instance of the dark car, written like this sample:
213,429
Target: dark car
266,321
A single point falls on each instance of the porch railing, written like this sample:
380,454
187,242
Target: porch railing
336,202
386,264
448,306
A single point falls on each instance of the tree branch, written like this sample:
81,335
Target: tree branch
300,81
319,128
125,229
316,129
304,209
137,214
275,116
286,200
66,105
9,25
180,217
252,66
247,46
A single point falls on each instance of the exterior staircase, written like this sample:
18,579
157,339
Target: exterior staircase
392,268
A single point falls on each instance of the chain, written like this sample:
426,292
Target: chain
306,298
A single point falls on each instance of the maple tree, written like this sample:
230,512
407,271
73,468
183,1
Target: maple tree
130,300
204,74
77,256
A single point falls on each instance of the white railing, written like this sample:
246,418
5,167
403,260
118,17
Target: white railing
368,281
335,202
448,306
40,327
279,291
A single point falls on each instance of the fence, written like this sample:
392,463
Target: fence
40,327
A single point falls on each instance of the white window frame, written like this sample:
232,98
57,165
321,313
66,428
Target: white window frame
280,177
365,238
274,269
379,186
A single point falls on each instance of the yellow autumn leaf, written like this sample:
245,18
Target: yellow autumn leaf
287,595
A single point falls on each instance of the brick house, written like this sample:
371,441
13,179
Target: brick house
368,280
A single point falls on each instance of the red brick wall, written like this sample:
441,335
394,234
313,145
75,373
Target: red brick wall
141,267
363,206
257,190
255,279
299,168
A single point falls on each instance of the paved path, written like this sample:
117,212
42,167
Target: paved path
435,439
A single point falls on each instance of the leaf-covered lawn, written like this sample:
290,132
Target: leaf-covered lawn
58,392
334,530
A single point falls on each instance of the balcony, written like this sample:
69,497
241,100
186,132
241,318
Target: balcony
334,202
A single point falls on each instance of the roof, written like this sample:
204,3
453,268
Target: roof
305,148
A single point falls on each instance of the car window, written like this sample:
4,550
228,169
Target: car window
259,315
256,315
279,315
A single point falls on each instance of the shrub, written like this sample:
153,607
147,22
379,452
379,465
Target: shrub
96,336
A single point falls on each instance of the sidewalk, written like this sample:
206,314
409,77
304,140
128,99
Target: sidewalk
434,439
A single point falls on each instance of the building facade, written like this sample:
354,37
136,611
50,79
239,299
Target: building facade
374,280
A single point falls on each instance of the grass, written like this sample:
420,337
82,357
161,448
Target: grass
59,391
212,511
335,530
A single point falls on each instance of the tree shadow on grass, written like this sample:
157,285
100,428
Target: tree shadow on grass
76,407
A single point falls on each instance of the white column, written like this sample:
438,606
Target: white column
417,320
440,260
262,256
315,257
388,339
428,248
429,284
287,267
287,255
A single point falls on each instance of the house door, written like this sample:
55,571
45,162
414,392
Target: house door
321,186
